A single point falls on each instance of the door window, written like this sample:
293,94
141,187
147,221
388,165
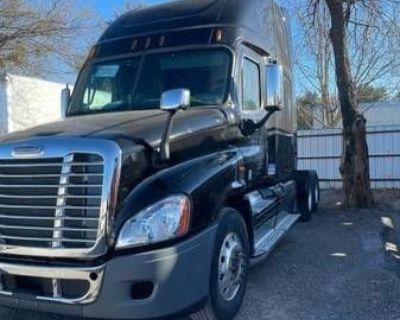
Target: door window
251,93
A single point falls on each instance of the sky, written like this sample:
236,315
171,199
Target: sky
107,7
106,10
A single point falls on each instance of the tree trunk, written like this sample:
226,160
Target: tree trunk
355,160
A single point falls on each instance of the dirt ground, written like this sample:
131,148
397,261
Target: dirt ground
343,265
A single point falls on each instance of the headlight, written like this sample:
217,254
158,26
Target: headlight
165,220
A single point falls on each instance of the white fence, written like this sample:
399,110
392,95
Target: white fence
321,150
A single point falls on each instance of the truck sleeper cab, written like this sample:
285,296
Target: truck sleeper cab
173,171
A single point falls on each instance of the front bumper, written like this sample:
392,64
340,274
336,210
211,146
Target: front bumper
180,275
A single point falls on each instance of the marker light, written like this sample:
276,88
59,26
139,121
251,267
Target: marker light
161,41
218,35
134,44
148,43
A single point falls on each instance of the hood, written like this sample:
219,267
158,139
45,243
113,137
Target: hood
195,132
145,126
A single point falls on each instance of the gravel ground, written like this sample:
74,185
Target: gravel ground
342,265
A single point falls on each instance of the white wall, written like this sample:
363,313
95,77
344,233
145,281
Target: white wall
32,102
3,105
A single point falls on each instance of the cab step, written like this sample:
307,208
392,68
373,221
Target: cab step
268,241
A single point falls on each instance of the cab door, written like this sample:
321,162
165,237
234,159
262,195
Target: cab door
253,147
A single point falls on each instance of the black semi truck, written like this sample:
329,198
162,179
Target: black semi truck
173,171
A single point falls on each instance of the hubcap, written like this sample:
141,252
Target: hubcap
310,200
231,267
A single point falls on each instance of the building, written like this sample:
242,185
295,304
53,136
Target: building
382,113
377,114
27,102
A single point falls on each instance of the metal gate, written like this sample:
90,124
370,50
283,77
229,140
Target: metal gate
321,150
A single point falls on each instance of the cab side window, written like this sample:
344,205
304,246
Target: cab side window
251,93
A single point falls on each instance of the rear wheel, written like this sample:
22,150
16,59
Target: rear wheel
229,269
307,194
316,191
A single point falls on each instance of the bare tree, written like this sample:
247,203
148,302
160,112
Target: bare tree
78,60
355,160
372,50
319,61
369,93
35,34
364,35
373,34
305,115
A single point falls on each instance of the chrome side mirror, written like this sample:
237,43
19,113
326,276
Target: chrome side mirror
174,100
65,101
171,101
274,97
275,93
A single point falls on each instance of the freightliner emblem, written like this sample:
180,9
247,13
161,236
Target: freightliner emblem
27,152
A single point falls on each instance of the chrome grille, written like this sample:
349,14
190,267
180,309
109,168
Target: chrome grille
51,202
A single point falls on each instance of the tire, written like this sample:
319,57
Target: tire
316,192
305,191
224,301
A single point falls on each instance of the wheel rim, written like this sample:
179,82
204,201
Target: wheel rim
316,194
310,200
231,267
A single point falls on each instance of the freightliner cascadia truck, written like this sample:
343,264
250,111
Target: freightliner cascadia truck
171,174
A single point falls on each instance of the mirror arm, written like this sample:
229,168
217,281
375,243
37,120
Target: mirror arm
248,126
65,100
270,113
165,152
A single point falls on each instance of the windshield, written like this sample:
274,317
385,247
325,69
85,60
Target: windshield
138,83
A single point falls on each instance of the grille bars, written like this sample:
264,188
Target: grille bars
59,215
61,202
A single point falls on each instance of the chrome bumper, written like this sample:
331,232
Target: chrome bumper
94,277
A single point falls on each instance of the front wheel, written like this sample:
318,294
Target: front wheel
229,269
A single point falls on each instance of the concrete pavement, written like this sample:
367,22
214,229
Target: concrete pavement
341,266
